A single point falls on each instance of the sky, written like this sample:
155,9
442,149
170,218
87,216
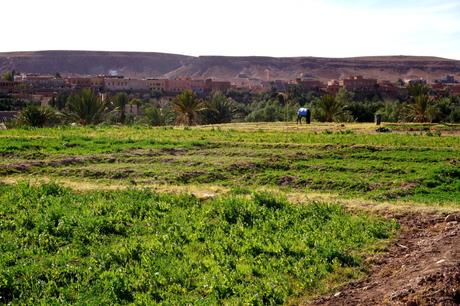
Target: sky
325,28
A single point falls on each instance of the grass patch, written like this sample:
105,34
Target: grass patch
137,246
350,161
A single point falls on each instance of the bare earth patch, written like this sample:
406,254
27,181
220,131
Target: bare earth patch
421,267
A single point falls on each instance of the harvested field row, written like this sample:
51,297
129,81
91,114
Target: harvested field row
351,170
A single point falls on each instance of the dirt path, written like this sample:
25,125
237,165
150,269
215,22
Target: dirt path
422,267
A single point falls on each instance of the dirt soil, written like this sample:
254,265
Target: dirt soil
421,267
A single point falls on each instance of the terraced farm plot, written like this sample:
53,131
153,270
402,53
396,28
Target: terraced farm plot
380,167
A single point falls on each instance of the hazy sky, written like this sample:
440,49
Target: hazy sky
330,28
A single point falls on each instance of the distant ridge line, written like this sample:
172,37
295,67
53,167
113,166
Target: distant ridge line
238,69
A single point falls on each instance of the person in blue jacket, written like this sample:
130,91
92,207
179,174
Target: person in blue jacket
303,112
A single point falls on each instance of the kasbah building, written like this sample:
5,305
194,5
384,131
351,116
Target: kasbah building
46,86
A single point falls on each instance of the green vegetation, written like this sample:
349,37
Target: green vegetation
422,106
328,109
219,109
187,106
85,107
415,103
121,100
415,165
421,110
417,89
8,103
137,246
8,76
120,242
271,111
156,116
37,116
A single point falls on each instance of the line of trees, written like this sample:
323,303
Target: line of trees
86,107
421,105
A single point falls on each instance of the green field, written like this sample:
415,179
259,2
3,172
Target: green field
350,162
206,215
138,246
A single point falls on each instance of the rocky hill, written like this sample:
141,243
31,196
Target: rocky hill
244,69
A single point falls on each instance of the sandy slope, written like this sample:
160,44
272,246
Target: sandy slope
237,69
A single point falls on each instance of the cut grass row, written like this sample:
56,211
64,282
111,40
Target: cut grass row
370,166
76,140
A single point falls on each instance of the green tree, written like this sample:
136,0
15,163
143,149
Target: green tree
271,111
328,108
187,106
454,113
37,116
156,94
9,103
219,109
136,101
121,100
9,75
59,102
86,107
154,116
422,109
454,116
299,94
393,111
344,97
282,97
417,89
441,109
157,116
363,111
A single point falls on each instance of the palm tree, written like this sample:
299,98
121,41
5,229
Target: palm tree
218,110
86,107
187,106
329,108
282,97
422,109
121,100
283,100
37,116
417,89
